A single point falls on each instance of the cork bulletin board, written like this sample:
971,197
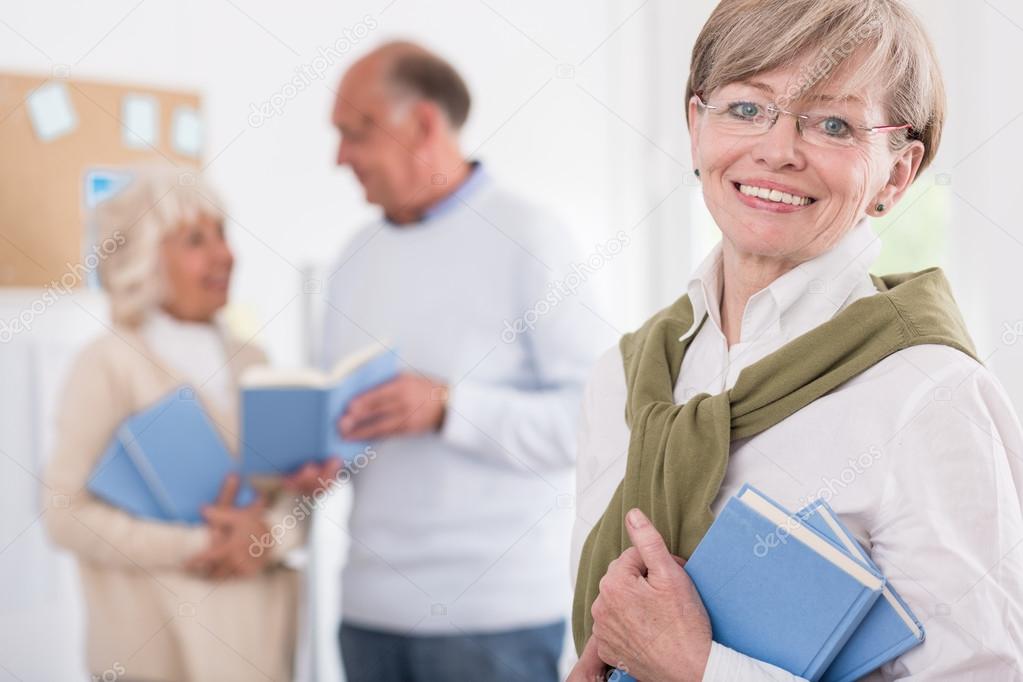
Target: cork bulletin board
63,140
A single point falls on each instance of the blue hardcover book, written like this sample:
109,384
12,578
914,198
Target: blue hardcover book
890,628
290,418
117,481
166,463
777,590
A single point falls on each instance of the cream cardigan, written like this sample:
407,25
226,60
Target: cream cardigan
147,618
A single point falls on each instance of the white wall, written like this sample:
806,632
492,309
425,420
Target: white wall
982,49
41,611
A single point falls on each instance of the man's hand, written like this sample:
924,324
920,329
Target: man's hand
648,618
231,530
408,404
314,477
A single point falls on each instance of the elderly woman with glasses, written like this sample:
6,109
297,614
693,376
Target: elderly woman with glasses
788,366
169,601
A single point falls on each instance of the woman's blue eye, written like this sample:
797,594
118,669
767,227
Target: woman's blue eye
835,127
746,110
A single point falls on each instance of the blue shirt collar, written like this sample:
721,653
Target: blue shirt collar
476,178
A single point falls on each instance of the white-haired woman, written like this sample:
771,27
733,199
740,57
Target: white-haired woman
788,366
168,601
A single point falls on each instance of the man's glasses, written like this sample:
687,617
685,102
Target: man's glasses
741,115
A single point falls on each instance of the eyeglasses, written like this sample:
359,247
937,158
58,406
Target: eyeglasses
745,116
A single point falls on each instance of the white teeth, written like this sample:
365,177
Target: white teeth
774,195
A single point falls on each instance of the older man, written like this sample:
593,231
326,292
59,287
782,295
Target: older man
457,568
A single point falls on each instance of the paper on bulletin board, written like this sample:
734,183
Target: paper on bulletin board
100,184
186,131
42,216
51,111
140,121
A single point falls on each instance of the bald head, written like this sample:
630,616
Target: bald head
399,110
406,70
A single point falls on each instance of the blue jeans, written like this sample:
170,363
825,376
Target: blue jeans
526,655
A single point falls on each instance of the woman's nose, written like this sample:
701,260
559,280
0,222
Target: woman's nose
780,146
223,254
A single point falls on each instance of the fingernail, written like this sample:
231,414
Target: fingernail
635,518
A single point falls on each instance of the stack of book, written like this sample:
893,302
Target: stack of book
797,591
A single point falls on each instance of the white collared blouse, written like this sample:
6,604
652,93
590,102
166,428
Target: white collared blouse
921,456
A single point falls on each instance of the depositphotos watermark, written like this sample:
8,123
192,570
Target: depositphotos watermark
75,273
1012,332
855,468
827,61
560,289
311,72
308,504
114,672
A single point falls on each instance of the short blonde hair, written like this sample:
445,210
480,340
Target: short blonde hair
155,203
743,38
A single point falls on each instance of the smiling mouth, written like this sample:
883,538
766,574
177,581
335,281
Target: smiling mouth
774,196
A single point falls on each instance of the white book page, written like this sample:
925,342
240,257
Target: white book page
800,532
266,376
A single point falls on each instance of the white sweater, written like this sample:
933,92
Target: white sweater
145,613
467,529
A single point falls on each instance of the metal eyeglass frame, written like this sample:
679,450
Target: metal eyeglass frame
775,112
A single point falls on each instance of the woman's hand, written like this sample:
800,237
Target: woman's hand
314,478
232,529
589,668
649,619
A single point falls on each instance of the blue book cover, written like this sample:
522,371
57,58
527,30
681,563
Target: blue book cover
890,628
777,590
115,480
166,463
289,419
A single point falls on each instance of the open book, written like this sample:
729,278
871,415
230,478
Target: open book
289,417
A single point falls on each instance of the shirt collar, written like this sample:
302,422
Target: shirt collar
799,300
473,181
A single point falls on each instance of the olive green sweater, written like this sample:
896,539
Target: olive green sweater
678,454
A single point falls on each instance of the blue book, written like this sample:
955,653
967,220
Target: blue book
166,463
890,628
290,418
777,590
